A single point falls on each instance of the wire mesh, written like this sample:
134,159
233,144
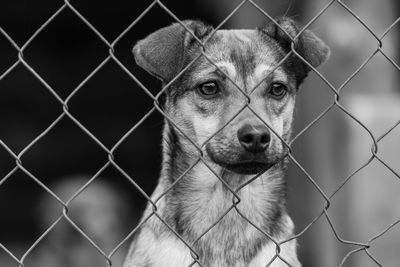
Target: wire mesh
64,103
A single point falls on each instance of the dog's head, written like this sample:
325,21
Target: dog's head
208,100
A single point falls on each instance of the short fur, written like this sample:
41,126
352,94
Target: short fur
245,58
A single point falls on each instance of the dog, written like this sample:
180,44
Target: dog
220,199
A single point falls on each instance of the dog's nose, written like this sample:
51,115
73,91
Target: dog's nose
254,139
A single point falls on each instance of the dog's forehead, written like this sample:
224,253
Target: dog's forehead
244,36
244,42
246,50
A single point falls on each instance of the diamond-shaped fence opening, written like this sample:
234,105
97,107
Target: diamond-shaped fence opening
65,52
104,100
64,154
26,116
91,106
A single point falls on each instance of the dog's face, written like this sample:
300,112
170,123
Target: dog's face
211,99
208,102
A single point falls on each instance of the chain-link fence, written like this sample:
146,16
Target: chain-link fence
64,102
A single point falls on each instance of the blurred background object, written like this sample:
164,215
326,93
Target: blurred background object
100,211
111,103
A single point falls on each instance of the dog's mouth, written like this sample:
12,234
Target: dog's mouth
242,162
247,164
248,167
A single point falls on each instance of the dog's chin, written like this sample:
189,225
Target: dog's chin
247,167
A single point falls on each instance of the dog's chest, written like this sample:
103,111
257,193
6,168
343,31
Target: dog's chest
232,242
221,230
175,253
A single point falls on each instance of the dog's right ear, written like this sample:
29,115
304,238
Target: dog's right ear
308,45
164,52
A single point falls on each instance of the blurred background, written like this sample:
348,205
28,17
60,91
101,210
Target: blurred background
332,151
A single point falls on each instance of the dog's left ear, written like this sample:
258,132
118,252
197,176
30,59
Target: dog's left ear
165,52
308,45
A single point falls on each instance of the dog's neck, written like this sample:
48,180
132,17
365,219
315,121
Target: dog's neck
200,199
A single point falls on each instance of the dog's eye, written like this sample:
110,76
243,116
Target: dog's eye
278,90
209,89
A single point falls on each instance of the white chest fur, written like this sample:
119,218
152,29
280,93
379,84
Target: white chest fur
173,252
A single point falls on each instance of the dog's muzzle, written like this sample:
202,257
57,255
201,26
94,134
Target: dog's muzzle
254,139
250,155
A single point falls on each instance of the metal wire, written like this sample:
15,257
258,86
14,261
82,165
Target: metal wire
66,114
